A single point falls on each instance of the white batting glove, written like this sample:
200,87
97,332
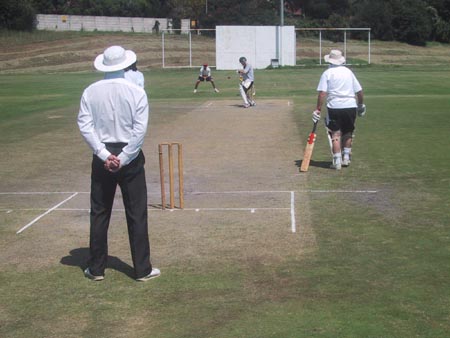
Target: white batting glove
316,116
361,110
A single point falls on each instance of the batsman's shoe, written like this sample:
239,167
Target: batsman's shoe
155,273
216,90
195,91
336,166
253,103
346,162
88,274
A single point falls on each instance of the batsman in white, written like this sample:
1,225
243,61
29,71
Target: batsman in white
246,85
345,99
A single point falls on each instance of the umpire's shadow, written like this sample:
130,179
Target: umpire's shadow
78,257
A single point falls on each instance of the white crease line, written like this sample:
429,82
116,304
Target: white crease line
293,225
280,192
43,192
228,209
205,192
45,213
251,209
241,192
343,191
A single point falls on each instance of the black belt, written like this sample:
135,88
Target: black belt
115,148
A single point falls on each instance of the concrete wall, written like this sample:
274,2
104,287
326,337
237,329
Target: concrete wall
259,44
105,23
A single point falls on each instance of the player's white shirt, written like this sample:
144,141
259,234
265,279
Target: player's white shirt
205,71
248,73
341,86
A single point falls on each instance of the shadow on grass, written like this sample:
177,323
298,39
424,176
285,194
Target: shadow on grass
79,257
312,163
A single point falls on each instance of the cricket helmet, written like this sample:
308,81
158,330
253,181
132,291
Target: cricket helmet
242,59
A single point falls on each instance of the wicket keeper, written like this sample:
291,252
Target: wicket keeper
205,75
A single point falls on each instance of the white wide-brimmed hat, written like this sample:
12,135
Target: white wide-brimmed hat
335,57
114,58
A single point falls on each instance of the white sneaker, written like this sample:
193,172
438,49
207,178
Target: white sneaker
153,274
253,103
216,90
195,91
346,162
337,166
246,105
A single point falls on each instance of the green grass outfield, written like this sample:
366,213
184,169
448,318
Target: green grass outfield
381,267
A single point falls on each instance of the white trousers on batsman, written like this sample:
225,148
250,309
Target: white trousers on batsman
244,87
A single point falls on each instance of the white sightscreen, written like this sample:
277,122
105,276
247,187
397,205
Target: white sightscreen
259,44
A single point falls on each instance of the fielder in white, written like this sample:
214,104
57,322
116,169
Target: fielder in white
345,99
246,85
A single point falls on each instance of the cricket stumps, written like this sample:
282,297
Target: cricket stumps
168,147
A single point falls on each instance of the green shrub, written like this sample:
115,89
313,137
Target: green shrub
17,15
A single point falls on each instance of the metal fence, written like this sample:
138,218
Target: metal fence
199,46
313,43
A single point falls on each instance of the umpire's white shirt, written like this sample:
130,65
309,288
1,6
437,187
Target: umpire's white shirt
341,86
111,111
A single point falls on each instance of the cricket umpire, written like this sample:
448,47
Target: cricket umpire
113,120
345,99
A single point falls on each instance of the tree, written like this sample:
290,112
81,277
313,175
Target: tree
442,7
441,28
17,15
378,15
403,20
237,12
411,22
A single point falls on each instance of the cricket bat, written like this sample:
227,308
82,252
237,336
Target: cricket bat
309,149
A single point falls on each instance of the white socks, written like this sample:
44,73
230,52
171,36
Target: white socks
337,159
347,153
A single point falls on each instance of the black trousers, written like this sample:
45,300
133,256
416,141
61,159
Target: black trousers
131,179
